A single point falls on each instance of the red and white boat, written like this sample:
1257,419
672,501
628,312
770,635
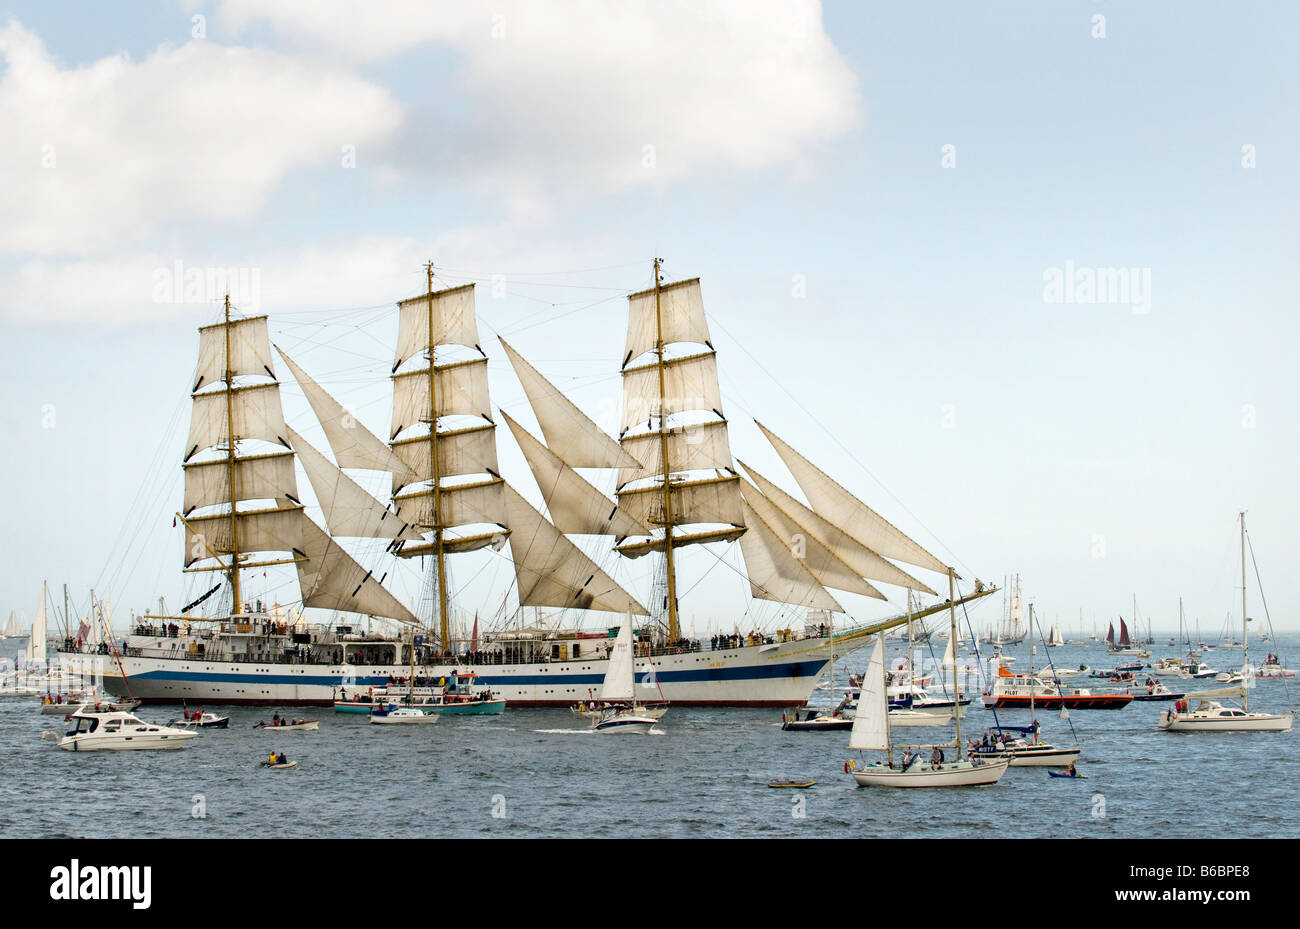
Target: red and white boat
1011,691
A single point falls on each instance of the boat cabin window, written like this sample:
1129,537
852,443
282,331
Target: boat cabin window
113,725
86,725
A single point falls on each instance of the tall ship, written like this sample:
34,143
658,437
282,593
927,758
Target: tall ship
545,640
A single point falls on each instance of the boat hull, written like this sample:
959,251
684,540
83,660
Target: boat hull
1261,722
1069,701
776,675
952,775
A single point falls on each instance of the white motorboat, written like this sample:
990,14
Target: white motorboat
95,732
1212,716
401,715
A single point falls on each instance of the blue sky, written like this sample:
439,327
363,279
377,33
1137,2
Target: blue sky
923,369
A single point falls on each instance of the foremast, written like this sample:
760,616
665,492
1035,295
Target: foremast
238,349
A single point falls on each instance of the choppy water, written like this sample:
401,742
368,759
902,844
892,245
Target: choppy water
540,773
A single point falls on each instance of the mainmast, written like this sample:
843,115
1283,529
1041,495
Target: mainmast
439,554
673,627
230,459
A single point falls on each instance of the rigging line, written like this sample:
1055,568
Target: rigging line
1051,665
514,331
837,441
1269,619
489,279
630,264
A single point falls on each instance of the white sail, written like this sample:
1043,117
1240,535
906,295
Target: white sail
462,388
709,500
775,573
1222,693
576,507
694,447
871,724
255,409
250,350
690,383
35,652
462,505
620,673
331,579
350,512
569,432
269,530
852,552
552,571
468,450
827,567
257,477
674,314
950,653
12,629
454,322
354,445
845,510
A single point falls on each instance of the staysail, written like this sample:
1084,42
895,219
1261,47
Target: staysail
35,651
620,673
871,724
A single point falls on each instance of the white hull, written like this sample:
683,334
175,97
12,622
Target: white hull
1254,722
960,774
777,675
634,724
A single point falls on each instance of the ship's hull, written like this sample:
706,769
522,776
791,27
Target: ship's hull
777,675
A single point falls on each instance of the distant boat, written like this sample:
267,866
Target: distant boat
12,630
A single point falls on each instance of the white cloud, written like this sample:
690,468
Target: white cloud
115,149
557,98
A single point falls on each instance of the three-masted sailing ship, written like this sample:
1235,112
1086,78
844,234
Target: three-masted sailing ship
677,488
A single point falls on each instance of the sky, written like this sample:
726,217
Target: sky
1021,276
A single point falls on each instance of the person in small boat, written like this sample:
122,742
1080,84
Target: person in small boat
275,720
284,759
272,759
1070,770
936,759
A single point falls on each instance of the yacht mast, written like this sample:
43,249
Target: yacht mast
1245,639
952,635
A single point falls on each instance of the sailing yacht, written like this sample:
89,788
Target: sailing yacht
872,732
622,711
678,487
12,629
1211,715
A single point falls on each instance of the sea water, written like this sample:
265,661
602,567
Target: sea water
704,772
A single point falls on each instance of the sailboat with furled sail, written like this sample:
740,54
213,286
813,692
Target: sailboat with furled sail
677,488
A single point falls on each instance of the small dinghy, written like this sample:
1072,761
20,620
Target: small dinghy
280,765
798,784
301,725
1066,774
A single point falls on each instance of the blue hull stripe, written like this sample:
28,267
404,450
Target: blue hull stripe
796,669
